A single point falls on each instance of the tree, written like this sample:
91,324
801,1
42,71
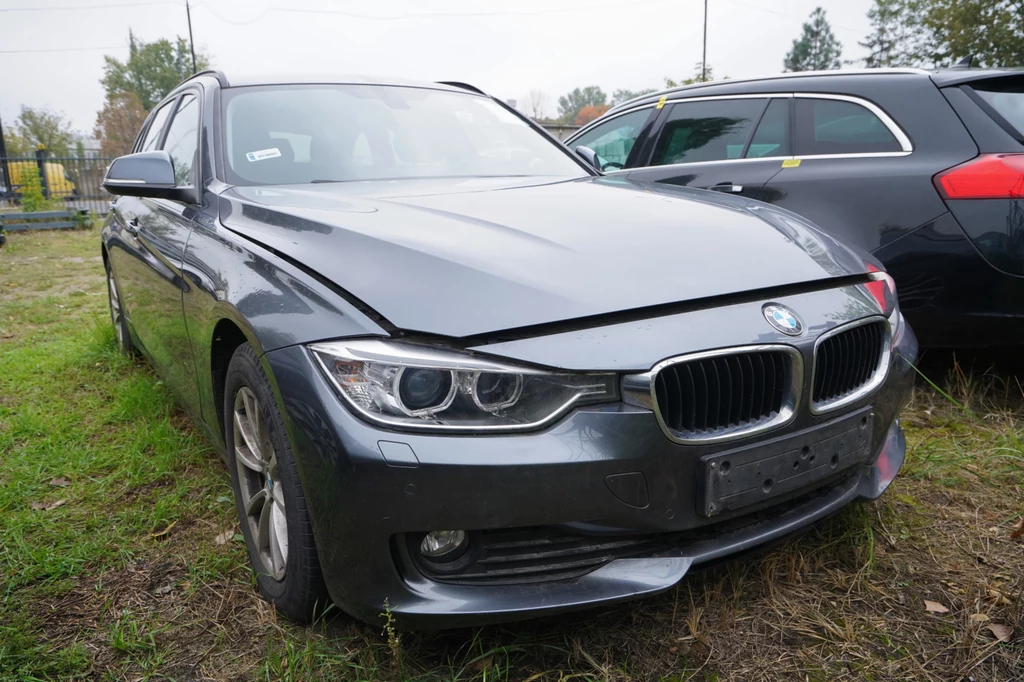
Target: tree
708,76
899,36
151,70
991,30
817,49
569,105
118,123
941,32
589,113
620,96
40,127
535,104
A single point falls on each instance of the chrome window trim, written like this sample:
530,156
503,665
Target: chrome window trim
879,377
901,137
638,390
906,146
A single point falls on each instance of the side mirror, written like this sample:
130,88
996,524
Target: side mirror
590,156
146,174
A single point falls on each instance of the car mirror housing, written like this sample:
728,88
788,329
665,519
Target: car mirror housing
590,156
145,174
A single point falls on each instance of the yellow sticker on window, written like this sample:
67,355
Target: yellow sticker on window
661,102
791,163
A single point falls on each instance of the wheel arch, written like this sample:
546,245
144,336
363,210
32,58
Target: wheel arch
227,337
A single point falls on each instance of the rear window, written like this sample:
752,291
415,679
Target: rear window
1007,100
828,126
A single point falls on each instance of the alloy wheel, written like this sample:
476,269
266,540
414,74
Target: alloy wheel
259,485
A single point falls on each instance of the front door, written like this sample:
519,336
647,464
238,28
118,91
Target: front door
151,281
732,145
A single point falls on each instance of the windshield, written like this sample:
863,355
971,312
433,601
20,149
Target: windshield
294,134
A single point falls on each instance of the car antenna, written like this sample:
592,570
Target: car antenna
964,63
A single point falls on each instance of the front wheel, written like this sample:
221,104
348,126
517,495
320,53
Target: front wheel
268,494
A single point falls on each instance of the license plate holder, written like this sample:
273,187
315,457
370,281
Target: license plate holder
749,475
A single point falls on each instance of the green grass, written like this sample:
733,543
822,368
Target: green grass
124,580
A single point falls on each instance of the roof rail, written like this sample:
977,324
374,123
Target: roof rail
463,86
219,75
791,74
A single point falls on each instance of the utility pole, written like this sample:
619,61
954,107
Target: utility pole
704,57
192,45
5,176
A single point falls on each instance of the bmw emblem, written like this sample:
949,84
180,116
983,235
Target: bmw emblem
783,319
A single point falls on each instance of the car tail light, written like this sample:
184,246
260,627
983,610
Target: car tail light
989,176
883,289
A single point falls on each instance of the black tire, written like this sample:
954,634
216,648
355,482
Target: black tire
299,594
122,337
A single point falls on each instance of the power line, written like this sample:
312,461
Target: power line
422,15
65,8
790,15
66,49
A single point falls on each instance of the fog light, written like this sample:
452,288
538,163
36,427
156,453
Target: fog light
439,544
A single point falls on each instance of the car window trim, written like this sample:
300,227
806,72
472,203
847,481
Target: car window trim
671,105
137,147
197,93
906,146
656,132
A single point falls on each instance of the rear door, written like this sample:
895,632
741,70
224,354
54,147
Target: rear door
731,144
855,172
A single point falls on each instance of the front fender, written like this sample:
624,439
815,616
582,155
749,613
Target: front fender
273,303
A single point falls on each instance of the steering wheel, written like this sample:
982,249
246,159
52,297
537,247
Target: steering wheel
612,165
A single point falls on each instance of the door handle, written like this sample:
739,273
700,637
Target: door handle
727,187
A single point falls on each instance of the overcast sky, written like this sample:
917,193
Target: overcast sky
506,48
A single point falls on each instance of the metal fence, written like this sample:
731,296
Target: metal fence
71,182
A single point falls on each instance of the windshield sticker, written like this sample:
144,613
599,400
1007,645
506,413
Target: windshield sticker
271,153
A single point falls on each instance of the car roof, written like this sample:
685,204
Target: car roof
287,78
942,77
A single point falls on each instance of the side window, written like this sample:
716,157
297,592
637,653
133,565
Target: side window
772,135
183,140
614,139
714,130
153,134
828,126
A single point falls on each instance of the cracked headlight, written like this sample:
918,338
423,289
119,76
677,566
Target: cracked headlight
421,387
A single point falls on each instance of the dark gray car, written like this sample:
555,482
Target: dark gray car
454,370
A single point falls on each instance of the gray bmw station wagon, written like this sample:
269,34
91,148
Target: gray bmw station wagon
454,370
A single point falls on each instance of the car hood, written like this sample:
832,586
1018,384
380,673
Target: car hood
469,257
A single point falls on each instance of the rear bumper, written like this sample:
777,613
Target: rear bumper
364,505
